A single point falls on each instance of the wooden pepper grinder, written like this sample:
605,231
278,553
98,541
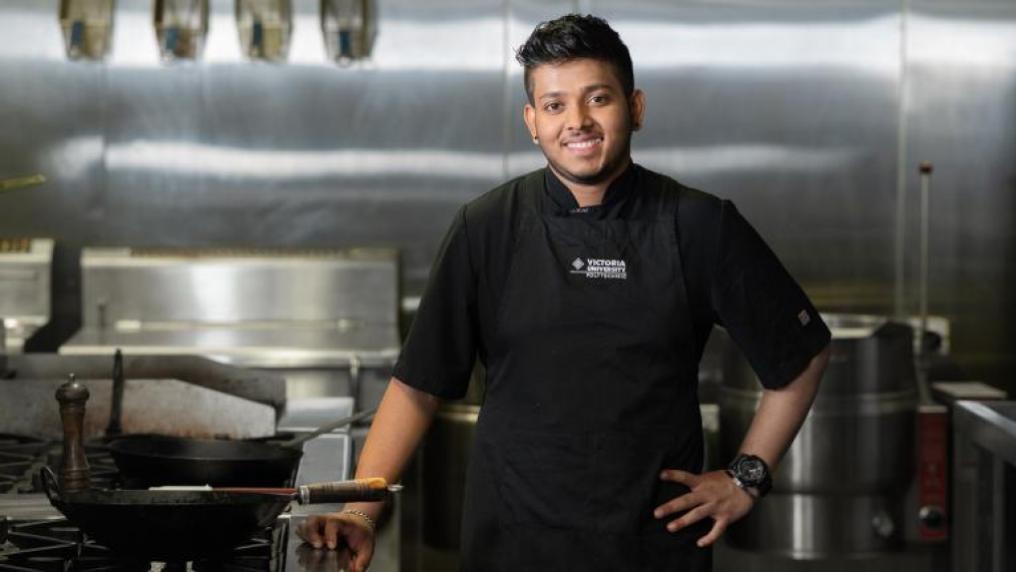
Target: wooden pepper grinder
74,476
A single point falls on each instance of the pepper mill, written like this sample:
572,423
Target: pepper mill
74,476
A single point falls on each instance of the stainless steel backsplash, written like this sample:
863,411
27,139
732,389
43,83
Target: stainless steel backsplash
811,116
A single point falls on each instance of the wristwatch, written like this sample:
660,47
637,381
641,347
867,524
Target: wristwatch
750,472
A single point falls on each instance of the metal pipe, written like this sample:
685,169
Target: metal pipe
925,169
903,112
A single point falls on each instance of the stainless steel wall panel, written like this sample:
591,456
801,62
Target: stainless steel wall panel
126,289
789,109
961,103
52,116
24,282
25,278
308,153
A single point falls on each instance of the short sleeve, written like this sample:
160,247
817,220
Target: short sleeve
440,350
763,309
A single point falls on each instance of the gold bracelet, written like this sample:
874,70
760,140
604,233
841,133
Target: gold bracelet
364,517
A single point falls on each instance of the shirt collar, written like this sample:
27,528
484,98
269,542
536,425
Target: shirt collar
565,202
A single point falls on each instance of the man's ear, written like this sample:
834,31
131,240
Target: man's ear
529,116
637,108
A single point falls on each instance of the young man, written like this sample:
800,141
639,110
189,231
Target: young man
588,289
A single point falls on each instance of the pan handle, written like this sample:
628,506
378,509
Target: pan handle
294,443
360,490
115,426
50,485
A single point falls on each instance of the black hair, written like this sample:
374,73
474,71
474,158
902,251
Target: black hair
572,37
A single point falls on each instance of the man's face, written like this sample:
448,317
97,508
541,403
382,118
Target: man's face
582,119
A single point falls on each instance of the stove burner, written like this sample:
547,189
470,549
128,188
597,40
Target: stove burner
21,458
59,546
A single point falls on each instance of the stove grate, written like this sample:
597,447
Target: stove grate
58,546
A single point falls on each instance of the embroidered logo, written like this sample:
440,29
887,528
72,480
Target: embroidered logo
804,317
607,268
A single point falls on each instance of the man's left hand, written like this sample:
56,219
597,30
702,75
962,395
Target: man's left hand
712,494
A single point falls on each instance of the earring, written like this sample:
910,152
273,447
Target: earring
536,140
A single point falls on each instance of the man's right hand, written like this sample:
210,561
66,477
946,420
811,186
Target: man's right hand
335,529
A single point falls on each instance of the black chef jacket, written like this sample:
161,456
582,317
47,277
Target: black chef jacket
732,278
591,321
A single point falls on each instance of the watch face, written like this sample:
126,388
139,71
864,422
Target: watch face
752,470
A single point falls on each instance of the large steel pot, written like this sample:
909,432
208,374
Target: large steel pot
445,458
839,489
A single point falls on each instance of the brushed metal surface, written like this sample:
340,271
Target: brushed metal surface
840,488
787,108
821,523
24,281
984,469
308,153
859,433
444,458
277,347
127,289
264,308
25,278
960,98
810,115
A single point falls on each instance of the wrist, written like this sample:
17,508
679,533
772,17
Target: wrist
372,510
363,517
751,491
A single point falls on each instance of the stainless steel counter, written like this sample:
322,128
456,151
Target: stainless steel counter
25,276
302,557
312,345
984,491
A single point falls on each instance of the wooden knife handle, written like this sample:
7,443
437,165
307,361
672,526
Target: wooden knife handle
374,489
74,475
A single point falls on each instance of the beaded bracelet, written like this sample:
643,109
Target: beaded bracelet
364,517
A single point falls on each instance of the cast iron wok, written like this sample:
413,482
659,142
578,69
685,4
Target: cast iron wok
186,525
156,460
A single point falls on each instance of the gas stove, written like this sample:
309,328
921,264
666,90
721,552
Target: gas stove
36,537
21,458
59,546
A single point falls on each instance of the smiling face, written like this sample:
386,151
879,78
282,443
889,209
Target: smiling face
582,120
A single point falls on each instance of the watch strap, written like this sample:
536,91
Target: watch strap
753,493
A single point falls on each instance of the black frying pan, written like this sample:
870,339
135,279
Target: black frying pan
156,460
187,525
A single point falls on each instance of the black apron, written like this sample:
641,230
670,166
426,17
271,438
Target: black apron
591,392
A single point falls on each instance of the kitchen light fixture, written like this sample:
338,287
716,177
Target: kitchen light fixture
349,28
87,28
181,27
265,28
